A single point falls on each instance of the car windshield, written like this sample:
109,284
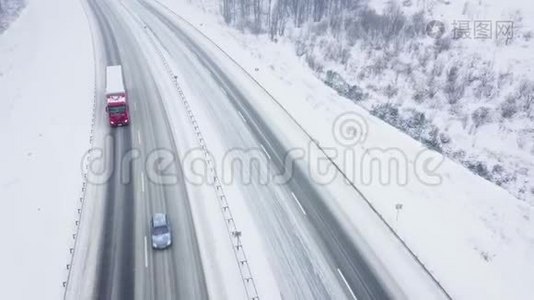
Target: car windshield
115,110
160,230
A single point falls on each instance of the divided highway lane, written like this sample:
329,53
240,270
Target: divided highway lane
128,267
353,273
115,276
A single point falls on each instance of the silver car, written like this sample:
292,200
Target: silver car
161,231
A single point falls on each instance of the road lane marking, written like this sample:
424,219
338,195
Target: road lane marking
135,106
346,284
298,202
265,150
142,182
242,117
146,253
139,136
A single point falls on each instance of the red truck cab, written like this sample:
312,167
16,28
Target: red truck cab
116,97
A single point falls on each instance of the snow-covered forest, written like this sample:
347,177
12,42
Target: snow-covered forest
9,10
476,107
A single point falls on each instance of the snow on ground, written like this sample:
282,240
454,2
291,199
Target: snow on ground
512,144
476,238
492,134
46,84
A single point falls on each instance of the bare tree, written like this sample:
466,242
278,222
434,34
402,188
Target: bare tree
257,15
319,7
227,13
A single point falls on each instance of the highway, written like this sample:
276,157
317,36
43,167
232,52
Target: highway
312,255
127,266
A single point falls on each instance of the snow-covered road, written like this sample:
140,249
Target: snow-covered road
298,243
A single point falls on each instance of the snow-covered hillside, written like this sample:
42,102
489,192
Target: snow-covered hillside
472,95
476,107
46,97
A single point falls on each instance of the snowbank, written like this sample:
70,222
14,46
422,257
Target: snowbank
46,84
